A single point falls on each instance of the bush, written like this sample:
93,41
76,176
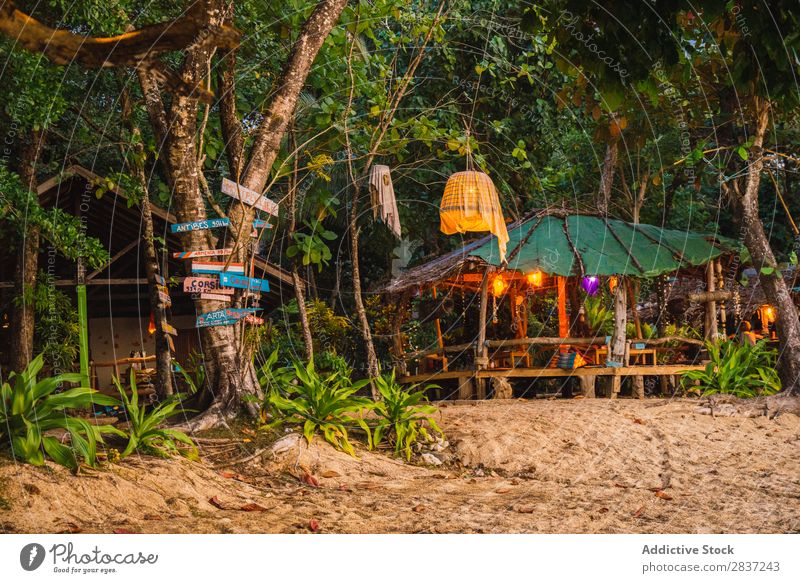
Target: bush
321,404
144,432
403,417
29,408
742,370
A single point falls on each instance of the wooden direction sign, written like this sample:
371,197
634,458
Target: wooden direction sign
169,329
165,299
248,283
201,285
217,267
250,197
223,317
217,297
199,225
250,319
201,253
160,279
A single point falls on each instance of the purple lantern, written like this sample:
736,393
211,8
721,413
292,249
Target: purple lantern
590,284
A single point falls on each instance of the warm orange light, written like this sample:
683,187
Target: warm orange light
612,283
534,278
499,285
151,327
769,313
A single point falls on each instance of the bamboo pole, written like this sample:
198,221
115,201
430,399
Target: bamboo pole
711,305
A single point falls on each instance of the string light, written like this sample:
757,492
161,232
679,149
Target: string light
534,278
499,286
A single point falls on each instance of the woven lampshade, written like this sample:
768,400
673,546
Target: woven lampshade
470,203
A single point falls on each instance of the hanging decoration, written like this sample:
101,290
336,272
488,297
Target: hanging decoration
499,286
534,278
590,284
384,204
151,327
613,281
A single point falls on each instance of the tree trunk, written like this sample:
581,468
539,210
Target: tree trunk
136,164
25,274
786,319
607,174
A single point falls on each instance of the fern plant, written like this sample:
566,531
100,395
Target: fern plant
403,415
598,317
742,370
29,408
145,432
321,404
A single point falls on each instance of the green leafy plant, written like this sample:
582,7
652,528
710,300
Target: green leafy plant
403,415
321,404
742,370
30,408
195,374
145,432
598,317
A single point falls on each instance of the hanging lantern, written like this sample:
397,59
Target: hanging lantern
590,284
470,203
769,313
612,283
151,327
534,278
499,286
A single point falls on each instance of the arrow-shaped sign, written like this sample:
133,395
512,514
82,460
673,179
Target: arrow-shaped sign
249,197
242,282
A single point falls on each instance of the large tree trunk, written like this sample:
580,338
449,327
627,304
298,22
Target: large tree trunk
607,172
755,239
230,372
25,274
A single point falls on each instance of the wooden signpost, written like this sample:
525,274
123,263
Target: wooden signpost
201,253
223,317
169,329
241,282
217,297
213,224
217,267
249,197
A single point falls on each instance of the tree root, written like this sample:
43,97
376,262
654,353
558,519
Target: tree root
730,406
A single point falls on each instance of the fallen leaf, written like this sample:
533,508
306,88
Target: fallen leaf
603,510
420,508
253,507
638,421
124,531
246,440
515,482
214,501
248,431
344,488
618,485
663,495
330,474
226,474
72,528
503,490
313,525
153,517
525,509
639,512
310,480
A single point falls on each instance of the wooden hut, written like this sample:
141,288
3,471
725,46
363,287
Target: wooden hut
557,253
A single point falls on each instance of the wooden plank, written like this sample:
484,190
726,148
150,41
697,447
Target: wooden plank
116,256
223,317
241,282
216,297
165,299
201,253
217,267
249,197
169,329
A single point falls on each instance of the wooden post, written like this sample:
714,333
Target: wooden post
481,350
465,388
618,350
721,286
563,322
711,305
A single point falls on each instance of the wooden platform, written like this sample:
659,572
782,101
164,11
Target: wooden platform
550,372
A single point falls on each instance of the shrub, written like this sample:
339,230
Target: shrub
321,404
403,416
742,370
29,408
144,432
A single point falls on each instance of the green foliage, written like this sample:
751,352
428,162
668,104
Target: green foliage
32,407
56,326
195,374
403,415
321,404
145,434
598,317
742,370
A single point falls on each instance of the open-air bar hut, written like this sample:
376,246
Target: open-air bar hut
562,252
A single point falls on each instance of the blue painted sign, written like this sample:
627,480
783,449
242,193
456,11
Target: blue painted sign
223,317
242,282
213,224
199,225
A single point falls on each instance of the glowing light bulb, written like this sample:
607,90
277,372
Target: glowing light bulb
499,285
534,278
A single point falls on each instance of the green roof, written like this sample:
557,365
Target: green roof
575,244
